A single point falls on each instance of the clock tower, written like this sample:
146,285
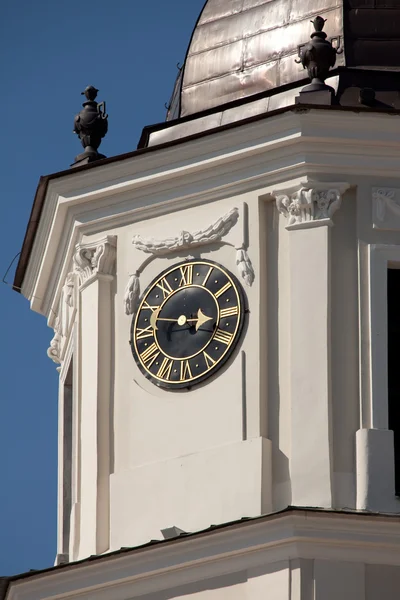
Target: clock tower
224,304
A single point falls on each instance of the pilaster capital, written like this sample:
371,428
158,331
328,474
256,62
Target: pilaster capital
95,258
311,204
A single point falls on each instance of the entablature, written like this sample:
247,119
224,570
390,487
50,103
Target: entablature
256,155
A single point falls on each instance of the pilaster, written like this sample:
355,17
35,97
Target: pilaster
309,210
95,265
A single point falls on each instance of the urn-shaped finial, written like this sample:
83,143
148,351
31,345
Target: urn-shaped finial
318,57
91,125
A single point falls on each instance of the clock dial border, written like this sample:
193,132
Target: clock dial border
233,338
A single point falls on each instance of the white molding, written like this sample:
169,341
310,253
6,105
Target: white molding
380,258
247,157
374,442
312,204
300,535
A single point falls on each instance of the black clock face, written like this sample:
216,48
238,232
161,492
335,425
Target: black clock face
188,323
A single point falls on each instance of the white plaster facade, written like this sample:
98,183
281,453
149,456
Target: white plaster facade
299,415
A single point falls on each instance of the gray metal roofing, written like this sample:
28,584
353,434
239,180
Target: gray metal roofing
243,47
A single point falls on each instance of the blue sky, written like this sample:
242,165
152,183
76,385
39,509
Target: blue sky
50,50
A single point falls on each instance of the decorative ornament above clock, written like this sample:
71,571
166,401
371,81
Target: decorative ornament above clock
188,323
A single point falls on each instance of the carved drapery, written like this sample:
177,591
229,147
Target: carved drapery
90,260
185,240
386,208
66,308
311,204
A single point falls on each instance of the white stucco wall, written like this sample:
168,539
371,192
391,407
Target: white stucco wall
303,419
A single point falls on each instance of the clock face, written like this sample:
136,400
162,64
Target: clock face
188,323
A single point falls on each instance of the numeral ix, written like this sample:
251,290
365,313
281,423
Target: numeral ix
141,334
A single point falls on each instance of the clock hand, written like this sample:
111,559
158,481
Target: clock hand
201,319
154,317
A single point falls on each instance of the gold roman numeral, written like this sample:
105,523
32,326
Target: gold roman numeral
187,275
164,372
209,361
150,355
147,306
141,334
223,289
186,372
229,312
223,336
165,288
206,278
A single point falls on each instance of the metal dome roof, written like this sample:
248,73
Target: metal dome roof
243,47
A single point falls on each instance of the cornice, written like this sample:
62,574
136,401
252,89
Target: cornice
293,534
241,159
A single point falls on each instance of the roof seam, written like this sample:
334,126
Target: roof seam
259,32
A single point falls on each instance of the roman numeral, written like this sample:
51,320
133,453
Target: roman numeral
150,355
206,278
229,312
209,361
165,288
187,275
147,306
186,372
144,333
223,289
223,336
164,372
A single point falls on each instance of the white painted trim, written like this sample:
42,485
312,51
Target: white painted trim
299,535
251,156
380,257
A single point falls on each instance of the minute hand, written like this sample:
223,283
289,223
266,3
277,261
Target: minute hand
201,319
182,320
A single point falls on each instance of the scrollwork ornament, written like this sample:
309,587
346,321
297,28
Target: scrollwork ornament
326,203
97,258
297,207
184,240
68,290
214,233
244,266
54,350
310,205
132,294
385,198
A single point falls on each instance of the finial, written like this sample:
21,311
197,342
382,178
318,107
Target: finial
318,57
91,125
90,92
319,24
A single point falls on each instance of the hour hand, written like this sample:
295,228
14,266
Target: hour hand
201,319
154,317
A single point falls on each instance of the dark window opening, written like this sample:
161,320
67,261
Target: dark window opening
393,294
